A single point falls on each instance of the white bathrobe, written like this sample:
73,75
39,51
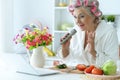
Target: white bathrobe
106,46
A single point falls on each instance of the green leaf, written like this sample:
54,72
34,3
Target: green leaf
24,39
31,47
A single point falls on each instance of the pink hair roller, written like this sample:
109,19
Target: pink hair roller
71,9
85,2
78,3
98,14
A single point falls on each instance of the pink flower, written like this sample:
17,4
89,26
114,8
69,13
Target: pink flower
34,38
37,40
32,43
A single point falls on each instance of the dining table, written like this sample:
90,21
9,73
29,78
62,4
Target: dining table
14,66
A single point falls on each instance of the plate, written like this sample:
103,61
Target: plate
68,70
103,77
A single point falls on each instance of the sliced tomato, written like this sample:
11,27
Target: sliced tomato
89,69
81,67
97,71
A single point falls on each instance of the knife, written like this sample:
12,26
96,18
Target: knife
37,74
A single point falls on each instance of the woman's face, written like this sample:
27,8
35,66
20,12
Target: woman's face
83,19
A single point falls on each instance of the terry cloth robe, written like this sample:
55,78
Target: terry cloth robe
106,46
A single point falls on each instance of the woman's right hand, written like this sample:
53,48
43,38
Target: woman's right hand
65,46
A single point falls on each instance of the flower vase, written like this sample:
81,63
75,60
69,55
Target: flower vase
37,58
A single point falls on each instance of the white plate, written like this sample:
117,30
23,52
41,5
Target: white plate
103,77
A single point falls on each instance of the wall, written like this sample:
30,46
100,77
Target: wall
110,6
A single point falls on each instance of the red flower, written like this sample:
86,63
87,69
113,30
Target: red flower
31,43
37,40
44,37
34,38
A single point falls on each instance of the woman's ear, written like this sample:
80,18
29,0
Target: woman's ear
96,20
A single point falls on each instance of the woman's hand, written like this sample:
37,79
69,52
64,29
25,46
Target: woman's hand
91,45
65,46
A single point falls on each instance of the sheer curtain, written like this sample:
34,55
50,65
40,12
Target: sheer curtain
6,25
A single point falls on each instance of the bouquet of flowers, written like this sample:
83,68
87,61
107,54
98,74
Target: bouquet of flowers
33,37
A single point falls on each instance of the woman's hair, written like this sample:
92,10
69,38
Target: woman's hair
91,5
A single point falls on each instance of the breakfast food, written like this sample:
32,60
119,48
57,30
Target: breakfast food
93,70
61,66
89,69
97,71
105,72
81,67
109,67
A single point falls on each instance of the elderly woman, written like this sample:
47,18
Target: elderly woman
95,41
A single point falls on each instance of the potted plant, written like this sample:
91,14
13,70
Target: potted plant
34,40
111,18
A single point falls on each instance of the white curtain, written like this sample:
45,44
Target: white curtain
6,25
